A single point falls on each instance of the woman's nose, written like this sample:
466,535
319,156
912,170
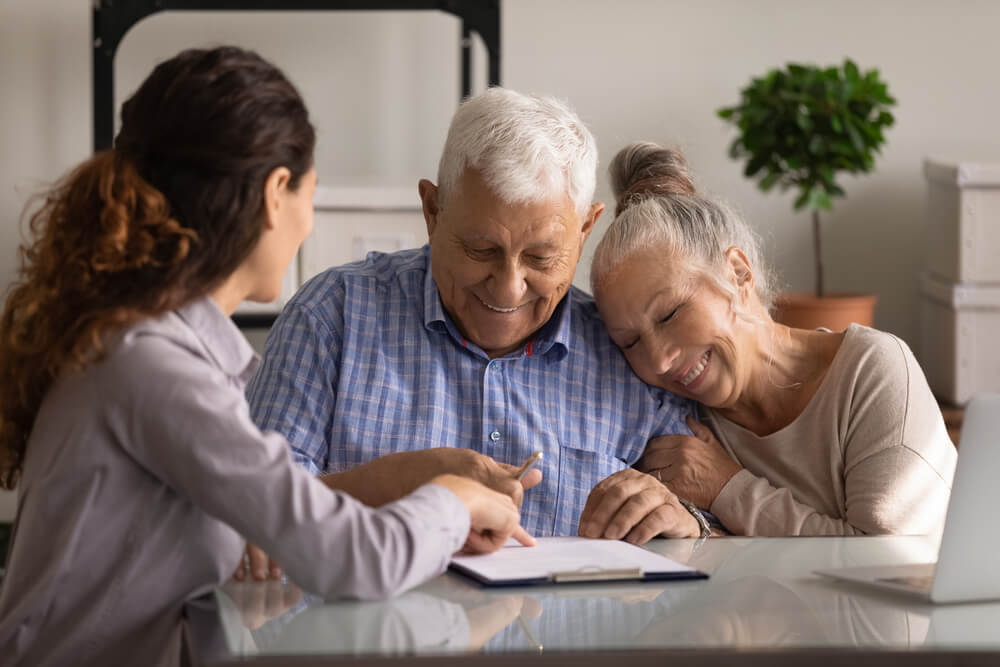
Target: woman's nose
662,356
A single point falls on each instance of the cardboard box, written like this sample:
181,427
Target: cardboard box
963,215
960,338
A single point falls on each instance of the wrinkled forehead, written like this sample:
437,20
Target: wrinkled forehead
477,211
637,275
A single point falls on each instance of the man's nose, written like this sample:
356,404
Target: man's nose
509,284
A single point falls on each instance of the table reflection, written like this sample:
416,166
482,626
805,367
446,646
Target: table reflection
761,594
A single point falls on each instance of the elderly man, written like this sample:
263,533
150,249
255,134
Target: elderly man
470,353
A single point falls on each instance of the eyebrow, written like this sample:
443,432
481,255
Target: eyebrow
648,307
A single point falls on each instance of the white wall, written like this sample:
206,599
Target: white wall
382,86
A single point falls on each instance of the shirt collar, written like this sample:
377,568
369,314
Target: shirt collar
225,343
553,338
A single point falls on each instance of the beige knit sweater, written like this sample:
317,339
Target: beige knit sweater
869,454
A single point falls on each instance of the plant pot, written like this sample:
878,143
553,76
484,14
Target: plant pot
804,310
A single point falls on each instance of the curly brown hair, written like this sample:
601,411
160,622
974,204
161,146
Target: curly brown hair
159,220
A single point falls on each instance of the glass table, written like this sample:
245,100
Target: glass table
761,604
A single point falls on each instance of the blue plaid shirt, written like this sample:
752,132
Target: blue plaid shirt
364,362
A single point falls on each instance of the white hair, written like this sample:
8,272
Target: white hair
527,149
659,208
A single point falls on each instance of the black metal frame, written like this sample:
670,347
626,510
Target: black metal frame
112,19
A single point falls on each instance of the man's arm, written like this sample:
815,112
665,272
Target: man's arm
395,475
294,392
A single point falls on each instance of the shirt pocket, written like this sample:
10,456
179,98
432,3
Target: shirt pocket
579,472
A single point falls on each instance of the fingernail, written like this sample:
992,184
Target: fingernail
260,575
276,573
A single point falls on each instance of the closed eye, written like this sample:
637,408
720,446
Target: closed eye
671,314
479,253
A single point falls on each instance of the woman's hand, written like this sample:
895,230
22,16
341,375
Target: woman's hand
493,516
694,467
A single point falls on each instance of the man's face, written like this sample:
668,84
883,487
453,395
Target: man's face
502,268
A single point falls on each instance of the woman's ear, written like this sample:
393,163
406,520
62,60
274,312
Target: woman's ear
740,271
275,189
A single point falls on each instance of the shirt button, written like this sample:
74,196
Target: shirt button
494,436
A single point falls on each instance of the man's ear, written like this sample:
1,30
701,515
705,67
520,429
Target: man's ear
429,202
740,270
592,215
275,188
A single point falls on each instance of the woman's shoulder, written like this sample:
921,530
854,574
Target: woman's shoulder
153,355
866,350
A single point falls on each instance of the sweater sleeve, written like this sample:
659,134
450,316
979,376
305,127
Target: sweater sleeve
893,491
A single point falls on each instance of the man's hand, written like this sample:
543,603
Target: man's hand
498,476
257,565
635,506
493,516
393,476
694,467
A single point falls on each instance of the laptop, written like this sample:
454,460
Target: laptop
967,568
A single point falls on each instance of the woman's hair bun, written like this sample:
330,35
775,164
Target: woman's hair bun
643,168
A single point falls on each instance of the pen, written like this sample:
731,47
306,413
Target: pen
527,633
529,463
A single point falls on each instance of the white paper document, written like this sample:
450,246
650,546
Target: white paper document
570,559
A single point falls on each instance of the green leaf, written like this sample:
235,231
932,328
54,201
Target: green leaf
856,141
850,71
802,199
769,181
819,200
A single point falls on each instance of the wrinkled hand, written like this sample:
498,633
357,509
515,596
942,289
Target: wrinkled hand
497,476
694,467
257,564
635,506
390,477
493,516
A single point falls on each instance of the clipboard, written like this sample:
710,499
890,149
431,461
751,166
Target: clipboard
571,560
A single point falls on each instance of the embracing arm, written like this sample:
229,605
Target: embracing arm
894,491
887,462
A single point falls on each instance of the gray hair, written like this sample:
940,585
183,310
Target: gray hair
527,148
657,206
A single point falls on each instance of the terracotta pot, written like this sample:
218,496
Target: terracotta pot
804,310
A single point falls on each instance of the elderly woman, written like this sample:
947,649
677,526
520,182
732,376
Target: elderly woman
805,432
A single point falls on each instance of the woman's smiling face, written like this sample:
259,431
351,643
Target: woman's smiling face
677,329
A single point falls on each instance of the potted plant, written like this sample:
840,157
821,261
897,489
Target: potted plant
798,127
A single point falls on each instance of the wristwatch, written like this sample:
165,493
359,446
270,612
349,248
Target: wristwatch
703,526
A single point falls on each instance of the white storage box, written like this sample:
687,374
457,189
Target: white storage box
960,338
351,222
963,214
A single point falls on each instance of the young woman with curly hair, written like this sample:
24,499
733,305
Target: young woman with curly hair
123,422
